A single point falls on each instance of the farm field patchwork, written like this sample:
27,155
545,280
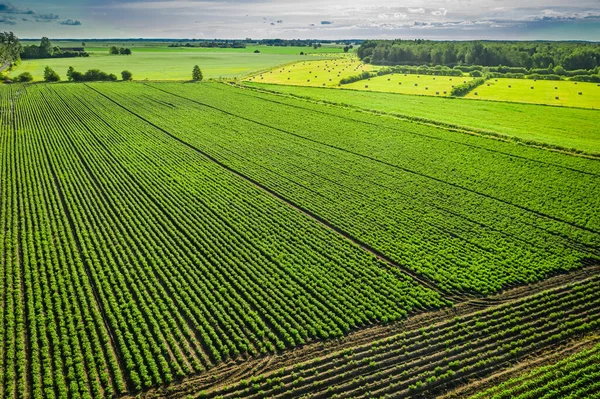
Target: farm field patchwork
311,72
131,261
165,63
410,84
446,206
563,93
569,128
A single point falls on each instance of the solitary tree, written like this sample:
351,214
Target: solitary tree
113,50
126,75
197,73
50,75
70,73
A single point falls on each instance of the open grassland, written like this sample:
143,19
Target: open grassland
427,361
410,84
149,46
563,93
568,128
311,72
165,63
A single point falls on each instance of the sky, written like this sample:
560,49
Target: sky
307,19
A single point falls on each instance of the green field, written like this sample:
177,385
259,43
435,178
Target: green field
410,84
372,169
313,72
562,93
569,128
165,63
154,233
412,363
576,376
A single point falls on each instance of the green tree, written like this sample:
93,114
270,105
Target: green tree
10,49
46,49
127,76
113,50
70,72
197,73
50,75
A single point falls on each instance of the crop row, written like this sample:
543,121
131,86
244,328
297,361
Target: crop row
429,360
55,342
458,235
154,262
577,376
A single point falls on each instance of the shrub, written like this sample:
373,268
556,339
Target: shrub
126,75
24,77
50,75
464,88
356,78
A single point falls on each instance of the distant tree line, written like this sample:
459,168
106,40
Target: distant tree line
47,50
529,55
224,43
211,44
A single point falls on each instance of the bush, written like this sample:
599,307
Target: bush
356,78
126,76
50,75
464,88
588,78
97,75
24,77
544,77
93,75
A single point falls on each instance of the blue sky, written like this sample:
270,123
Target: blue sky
330,19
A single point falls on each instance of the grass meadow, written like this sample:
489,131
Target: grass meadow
562,93
172,63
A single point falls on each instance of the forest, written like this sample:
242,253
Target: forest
538,54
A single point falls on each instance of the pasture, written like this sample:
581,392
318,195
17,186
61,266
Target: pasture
550,92
174,63
311,72
426,85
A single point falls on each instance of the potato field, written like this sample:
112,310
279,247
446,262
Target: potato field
152,233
